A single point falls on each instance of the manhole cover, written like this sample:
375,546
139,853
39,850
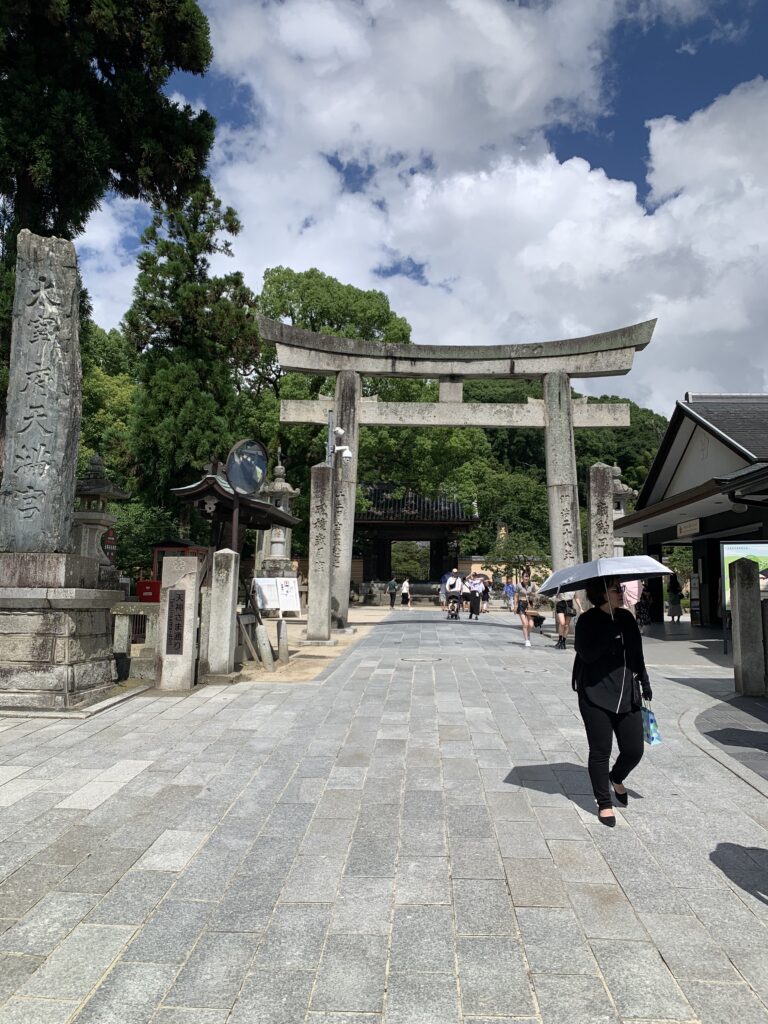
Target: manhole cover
422,660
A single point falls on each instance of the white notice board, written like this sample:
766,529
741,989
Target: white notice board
278,592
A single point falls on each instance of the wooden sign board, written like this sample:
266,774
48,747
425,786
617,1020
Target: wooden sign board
277,592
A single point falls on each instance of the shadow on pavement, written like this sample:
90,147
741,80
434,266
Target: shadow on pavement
729,737
745,866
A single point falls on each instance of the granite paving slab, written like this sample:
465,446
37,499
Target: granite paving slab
399,840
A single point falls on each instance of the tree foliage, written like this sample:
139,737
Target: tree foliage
83,111
193,332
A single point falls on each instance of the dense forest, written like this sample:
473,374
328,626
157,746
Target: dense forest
85,112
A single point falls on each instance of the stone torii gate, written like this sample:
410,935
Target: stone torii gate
554,362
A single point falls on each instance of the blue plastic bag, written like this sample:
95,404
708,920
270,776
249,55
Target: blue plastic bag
651,733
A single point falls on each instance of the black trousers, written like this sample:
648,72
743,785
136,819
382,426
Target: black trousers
474,604
601,727
392,597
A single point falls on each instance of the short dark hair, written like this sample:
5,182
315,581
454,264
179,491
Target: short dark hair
596,591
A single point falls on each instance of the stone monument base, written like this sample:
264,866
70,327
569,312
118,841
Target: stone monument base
55,647
47,569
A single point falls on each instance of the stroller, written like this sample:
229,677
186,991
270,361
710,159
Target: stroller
454,606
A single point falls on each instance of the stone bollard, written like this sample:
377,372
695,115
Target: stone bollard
222,633
282,642
747,622
264,648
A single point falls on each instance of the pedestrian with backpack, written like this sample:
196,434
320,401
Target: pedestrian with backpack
392,591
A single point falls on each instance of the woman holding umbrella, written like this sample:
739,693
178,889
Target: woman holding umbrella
611,680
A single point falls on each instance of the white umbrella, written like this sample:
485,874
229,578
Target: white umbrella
629,567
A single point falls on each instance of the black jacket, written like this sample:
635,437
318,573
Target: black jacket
609,654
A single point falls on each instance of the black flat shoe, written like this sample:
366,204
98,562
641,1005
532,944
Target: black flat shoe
622,798
610,822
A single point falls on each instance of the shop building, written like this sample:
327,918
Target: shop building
708,484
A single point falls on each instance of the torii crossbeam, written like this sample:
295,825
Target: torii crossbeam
555,362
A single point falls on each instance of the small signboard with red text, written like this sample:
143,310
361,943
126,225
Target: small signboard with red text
109,544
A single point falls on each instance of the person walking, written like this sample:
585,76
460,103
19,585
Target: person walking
643,608
611,680
453,588
392,591
405,593
475,595
675,594
509,595
564,613
442,592
525,599
632,591
485,598
465,591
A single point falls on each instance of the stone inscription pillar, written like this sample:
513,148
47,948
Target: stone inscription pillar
321,529
348,396
222,629
747,623
562,491
177,642
37,495
600,511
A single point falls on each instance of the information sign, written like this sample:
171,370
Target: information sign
277,593
756,552
109,544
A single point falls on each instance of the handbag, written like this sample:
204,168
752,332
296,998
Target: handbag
651,733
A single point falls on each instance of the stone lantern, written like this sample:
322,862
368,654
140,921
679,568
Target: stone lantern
91,520
277,560
622,495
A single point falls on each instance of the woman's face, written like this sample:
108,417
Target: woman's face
615,594
526,579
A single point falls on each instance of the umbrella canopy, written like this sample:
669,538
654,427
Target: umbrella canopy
629,567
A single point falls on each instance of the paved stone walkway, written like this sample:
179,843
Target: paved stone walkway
410,840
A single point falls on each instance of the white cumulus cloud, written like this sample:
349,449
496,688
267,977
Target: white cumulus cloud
439,109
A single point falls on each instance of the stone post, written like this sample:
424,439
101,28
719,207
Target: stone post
348,398
321,512
600,511
747,624
283,654
177,642
37,495
222,634
562,490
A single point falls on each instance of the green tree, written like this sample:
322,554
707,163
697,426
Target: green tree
316,302
83,111
411,559
193,332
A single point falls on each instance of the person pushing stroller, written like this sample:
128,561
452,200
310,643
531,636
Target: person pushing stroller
453,593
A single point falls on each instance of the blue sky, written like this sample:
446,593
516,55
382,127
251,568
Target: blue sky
667,68
506,172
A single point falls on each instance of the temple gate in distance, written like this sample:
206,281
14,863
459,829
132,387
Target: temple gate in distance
554,362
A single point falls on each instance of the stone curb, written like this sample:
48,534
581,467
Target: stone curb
687,723
94,709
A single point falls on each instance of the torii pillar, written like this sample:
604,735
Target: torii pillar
562,483
347,414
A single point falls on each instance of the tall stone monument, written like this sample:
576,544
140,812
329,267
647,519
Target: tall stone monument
55,628
600,511
37,494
